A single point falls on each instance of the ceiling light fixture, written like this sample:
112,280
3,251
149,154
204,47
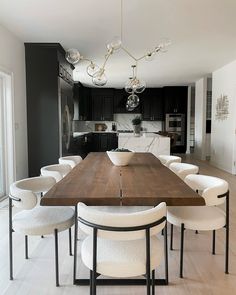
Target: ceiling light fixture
133,85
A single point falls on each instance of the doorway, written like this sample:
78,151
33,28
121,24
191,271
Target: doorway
7,150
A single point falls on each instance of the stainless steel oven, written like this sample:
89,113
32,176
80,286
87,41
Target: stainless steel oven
175,123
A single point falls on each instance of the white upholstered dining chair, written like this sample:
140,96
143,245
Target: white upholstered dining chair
167,159
70,160
58,171
35,220
210,217
183,169
122,244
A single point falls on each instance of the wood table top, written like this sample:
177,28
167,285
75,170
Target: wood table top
145,182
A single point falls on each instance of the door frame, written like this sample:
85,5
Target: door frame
8,121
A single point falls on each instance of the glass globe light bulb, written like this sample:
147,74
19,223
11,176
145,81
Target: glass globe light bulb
73,56
164,44
92,69
129,108
115,44
99,78
133,100
150,55
129,86
140,87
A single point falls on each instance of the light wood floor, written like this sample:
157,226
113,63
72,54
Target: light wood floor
204,273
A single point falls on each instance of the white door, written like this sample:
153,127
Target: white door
2,162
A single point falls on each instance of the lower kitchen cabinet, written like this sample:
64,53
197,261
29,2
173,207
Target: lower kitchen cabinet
103,142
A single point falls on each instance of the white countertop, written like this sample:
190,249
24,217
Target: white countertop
142,135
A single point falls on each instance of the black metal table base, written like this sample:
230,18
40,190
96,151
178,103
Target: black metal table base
119,282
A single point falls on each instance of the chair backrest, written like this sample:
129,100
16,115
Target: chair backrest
122,220
183,169
70,160
167,159
209,188
25,190
58,171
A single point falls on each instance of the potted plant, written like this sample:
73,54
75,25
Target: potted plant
137,125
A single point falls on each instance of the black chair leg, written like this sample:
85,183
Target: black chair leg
70,244
171,236
181,250
75,245
10,240
227,250
227,236
196,232
214,242
153,282
26,247
91,282
56,257
42,237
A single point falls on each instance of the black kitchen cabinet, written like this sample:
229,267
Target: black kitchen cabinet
152,105
48,89
175,99
120,99
82,145
102,104
104,141
82,96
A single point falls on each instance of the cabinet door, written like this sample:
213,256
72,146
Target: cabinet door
146,106
120,98
112,141
103,142
157,112
97,105
95,147
107,108
87,111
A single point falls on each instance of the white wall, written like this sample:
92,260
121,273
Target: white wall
12,59
200,119
223,132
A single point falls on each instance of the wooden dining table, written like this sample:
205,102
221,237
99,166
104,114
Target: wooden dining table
144,182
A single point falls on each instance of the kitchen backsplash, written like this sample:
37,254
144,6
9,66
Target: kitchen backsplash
123,122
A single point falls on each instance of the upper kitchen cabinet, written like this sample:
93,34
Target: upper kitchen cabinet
82,98
120,99
175,99
152,104
49,90
102,104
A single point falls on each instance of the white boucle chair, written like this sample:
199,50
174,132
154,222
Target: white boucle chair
35,220
58,171
209,217
183,169
70,160
122,244
167,159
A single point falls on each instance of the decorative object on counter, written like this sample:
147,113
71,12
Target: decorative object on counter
137,125
97,73
120,157
113,127
100,127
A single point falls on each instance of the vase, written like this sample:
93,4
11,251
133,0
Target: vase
137,129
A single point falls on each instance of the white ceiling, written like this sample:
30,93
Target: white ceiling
203,34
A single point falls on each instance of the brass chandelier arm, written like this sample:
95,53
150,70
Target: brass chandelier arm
126,50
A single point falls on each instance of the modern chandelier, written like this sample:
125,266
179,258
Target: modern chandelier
134,85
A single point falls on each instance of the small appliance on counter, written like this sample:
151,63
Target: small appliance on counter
113,127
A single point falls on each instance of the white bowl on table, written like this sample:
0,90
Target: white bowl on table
120,158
